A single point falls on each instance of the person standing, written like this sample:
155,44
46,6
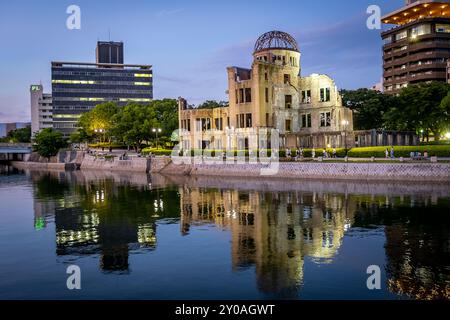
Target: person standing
392,153
386,152
334,152
313,153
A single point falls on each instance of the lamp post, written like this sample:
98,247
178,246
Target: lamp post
157,130
345,125
101,131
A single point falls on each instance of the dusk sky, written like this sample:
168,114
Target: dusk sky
189,43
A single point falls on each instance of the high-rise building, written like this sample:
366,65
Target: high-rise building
41,109
79,87
109,52
417,47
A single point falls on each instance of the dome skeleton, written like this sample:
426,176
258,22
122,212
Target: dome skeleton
276,40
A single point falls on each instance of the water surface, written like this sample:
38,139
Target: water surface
155,237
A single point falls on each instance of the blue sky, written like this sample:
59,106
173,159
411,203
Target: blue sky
190,43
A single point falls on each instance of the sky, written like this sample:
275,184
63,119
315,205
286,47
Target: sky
190,43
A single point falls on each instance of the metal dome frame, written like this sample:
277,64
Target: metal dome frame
276,40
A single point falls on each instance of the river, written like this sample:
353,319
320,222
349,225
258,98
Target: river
137,236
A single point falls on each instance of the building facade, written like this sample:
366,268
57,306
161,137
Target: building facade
41,109
306,111
417,47
79,87
109,52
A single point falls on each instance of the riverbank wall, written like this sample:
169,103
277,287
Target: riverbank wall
437,172
133,164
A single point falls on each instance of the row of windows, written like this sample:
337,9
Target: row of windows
100,91
243,95
244,120
102,99
275,58
102,74
416,31
91,82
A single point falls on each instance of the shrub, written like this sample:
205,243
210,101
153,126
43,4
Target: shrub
400,151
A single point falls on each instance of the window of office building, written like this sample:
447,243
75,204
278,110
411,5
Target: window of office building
421,30
387,40
443,28
288,101
306,120
324,94
325,119
267,95
401,35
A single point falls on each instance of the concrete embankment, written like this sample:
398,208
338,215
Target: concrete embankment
64,160
439,172
134,164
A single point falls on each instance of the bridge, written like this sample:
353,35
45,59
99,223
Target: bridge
14,151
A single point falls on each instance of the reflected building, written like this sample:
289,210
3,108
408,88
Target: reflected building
104,218
272,232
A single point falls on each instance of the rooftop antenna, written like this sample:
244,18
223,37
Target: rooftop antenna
109,34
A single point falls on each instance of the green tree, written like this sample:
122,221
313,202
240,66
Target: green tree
212,104
420,108
134,124
167,115
98,121
22,135
368,106
48,142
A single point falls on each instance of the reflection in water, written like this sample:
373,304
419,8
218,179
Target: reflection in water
102,218
271,232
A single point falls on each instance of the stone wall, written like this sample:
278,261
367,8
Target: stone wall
349,171
114,164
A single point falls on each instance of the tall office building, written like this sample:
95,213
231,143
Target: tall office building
109,52
417,47
79,87
41,109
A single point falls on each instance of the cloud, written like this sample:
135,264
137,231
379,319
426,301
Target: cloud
347,51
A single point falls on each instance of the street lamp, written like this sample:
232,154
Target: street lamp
101,131
345,124
157,130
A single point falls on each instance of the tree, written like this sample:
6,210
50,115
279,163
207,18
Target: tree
134,124
48,142
368,107
167,115
212,104
99,119
420,108
22,135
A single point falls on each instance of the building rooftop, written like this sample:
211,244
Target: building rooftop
98,65
418,10
276,40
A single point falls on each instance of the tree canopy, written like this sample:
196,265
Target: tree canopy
132,124
48,142
22,135
423,108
